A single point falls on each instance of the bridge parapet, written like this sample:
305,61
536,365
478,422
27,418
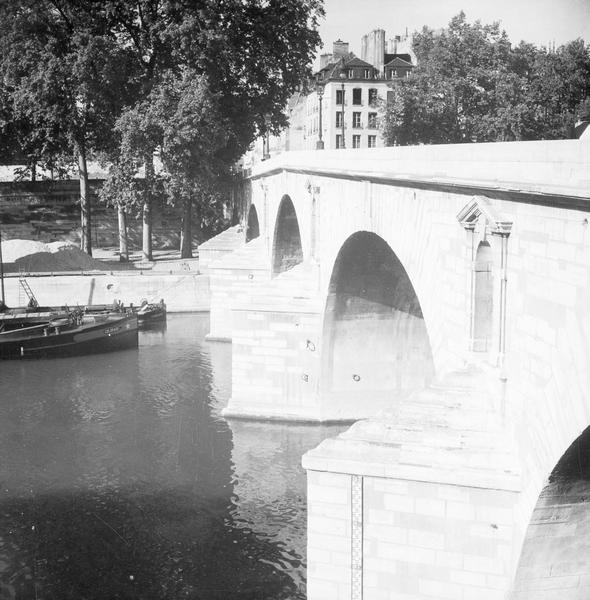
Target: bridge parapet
557,169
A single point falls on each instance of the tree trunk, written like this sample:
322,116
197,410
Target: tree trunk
147,208
85,224
123,246
186,234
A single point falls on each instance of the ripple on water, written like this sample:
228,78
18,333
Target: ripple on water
121,480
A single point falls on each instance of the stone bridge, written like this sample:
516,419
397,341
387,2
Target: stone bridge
439,298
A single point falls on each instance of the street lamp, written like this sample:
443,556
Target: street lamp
266,139
320,91
343,77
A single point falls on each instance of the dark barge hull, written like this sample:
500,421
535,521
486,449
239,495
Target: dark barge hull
104,336
151,315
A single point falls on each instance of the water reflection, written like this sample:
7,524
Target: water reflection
270,486
119,479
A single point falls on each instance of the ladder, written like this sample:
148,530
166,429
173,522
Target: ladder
24,286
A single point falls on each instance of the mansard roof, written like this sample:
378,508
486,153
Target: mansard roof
399,62
333,70
358,63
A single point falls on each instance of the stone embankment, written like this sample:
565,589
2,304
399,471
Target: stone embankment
60,274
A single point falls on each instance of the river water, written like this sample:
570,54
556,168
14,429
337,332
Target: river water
120,479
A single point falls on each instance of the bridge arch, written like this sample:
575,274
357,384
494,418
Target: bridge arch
287,250
375,337
252,224
556,543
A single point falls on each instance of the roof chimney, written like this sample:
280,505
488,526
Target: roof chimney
340,48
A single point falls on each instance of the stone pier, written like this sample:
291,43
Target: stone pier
424,502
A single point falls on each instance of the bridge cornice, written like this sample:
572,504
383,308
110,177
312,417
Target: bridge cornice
551,173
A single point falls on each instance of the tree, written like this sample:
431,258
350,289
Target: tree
471,85
194,136
66,77
253,54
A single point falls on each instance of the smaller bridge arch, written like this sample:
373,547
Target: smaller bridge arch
374,337
287,250
252,224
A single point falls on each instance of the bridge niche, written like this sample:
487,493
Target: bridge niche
375,336
287,249
555,557
252,225
483,302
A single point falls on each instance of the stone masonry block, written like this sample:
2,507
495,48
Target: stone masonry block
323,524
410,554
482,564
481,593
421,522
440,590
425,539
321,589
452,560
379,517
454,493
429,506
460,510
468,578
328,495
323,541
398,503
377,531
494,514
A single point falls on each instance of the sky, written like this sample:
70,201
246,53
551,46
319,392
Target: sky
540,22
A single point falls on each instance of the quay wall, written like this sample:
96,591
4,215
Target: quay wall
186,292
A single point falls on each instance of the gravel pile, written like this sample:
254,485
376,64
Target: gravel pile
32,257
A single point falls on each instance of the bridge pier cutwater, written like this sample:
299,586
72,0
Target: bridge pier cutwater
439,296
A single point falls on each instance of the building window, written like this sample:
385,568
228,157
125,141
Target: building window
339,96
339,141
338,119
356,141
357,96
372,96
350,73
367,73
356,120
372,121
372,141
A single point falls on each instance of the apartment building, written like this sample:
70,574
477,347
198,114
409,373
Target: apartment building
343,104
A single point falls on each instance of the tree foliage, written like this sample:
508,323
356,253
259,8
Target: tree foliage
65,80
194,81
471,85
212,76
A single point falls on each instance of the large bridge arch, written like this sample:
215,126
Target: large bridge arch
375,337
287,249
555,555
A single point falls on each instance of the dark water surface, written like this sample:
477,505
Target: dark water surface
119,478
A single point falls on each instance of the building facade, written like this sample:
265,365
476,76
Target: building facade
349,93
344,103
